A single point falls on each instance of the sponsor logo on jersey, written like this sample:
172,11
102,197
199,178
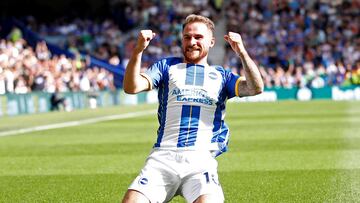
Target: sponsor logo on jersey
192,95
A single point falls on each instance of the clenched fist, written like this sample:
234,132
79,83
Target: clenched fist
144,38
235,41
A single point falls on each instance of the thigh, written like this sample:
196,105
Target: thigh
209,199
156,181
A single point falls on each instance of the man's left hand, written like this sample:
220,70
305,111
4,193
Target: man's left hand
235,41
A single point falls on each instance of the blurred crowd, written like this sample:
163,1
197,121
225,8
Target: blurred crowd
295,43
299,43
24,69
99,38
106,38
165,18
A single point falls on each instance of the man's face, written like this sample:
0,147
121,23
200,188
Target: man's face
196,41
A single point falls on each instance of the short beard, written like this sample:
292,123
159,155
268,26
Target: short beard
203,54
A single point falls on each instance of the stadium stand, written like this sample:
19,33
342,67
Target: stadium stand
24,70
295,43
299,43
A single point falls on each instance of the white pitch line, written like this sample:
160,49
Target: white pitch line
76,123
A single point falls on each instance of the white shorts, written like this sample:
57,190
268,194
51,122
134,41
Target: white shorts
187,173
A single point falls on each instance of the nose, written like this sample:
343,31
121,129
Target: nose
193,41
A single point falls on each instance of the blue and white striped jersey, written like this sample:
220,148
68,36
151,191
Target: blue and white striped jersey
192,104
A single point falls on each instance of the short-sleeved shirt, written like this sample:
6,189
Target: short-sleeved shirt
192,102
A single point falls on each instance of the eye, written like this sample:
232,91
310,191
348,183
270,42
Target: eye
187,37
198,37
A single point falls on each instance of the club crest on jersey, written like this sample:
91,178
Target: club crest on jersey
143,181
213,75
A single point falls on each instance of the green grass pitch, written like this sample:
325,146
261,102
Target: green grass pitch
278,152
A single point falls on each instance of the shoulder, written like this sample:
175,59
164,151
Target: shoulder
221,70
218,68
169,61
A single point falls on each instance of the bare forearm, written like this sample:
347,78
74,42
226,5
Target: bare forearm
133,81
253,84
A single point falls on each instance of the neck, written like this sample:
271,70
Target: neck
202,61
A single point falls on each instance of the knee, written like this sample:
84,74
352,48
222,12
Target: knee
133,196
209,199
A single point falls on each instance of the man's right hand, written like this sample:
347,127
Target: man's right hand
144,38
134,82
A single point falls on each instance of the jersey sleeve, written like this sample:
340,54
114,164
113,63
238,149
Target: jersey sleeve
155,73
232,84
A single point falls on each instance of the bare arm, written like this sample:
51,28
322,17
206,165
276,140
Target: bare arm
134,82
253,83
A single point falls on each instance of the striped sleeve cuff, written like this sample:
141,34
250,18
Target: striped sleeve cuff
148,79
237,87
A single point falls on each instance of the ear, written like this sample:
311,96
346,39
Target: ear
212,42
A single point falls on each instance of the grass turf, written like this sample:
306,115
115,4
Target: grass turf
279,152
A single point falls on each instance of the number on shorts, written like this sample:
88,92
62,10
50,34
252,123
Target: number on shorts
206,174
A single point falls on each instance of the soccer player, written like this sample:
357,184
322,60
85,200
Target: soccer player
192,96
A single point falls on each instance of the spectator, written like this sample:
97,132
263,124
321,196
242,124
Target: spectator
317,82
22,70
56,101
296,43
312,34
15,34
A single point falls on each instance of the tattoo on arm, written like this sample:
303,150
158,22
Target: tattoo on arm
253,84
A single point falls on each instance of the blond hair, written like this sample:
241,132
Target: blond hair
192,18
